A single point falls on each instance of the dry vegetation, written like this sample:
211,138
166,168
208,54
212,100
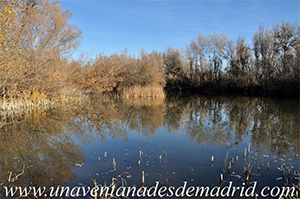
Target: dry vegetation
37,75
144,92
34,38
36,41
269,67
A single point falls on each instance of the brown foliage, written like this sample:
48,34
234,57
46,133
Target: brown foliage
102,74
34,36
121,72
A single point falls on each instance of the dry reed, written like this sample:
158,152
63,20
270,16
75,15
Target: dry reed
143,92
35,100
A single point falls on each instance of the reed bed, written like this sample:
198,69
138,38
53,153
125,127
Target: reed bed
138,102
144,92
28,102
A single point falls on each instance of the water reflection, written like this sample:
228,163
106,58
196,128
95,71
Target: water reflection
50,145
272,124
142,115
42,149
37,150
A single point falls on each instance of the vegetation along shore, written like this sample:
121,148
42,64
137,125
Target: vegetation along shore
37,39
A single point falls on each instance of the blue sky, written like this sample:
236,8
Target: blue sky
111,25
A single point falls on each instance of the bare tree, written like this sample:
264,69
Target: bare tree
174,62
285,35
217,52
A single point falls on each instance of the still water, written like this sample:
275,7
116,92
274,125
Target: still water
171,141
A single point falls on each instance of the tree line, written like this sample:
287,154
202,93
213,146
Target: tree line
36,41
268,67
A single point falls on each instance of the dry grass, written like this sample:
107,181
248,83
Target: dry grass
35,100
144,92
143,101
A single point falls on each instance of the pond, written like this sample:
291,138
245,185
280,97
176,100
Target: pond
185,144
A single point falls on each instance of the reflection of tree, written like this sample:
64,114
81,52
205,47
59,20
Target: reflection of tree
239,111
42,145
205,122
43,142
174,113
272,124
143,115
103,118
276,126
